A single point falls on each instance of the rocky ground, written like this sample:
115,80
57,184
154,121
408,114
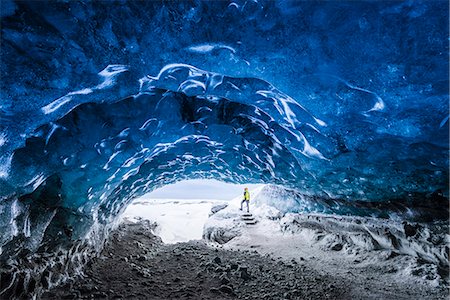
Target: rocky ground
135,264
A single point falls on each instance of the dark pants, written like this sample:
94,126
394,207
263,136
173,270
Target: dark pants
246,202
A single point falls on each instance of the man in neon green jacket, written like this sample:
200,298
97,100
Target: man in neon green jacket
246,199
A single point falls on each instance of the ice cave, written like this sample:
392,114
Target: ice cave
340,108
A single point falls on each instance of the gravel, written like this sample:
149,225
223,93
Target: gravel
136,264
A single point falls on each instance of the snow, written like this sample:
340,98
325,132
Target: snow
178,221
182,209
339,245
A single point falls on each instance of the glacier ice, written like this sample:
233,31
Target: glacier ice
342,105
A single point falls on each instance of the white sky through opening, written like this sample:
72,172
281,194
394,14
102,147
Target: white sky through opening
181,209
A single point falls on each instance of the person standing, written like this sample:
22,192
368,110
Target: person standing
246,199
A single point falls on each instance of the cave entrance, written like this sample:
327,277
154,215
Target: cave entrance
180,210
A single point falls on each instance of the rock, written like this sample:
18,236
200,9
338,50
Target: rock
226,289
142,258
244,273
392,238
392,255
217,208
214,290
224,281
391,270
234,266
243,268
86,289
410,230
100,295
337,247
188,294
217,260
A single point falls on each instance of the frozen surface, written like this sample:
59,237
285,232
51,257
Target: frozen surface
342,105
177,220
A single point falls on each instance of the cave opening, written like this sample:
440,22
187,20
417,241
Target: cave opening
180,210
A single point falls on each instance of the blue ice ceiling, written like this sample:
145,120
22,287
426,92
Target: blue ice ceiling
103,101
